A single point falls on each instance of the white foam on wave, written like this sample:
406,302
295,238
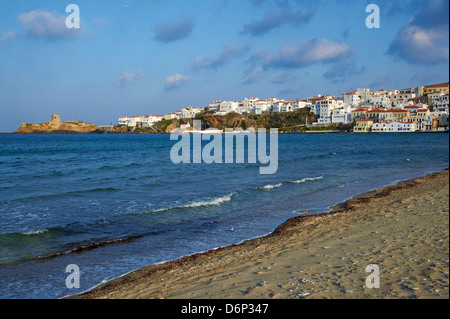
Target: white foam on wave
307,179
204,203
213,202
35,232
272,186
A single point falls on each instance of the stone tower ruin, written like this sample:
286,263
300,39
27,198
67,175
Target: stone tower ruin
56,118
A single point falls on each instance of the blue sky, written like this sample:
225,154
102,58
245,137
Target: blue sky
136,57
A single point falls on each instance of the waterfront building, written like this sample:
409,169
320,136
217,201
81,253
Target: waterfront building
363,126
431,92
393,115
393,127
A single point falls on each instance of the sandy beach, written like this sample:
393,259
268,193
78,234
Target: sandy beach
403,229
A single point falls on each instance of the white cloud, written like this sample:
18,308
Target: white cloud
43,24
421,45
175,81
129,77
311,52
424,39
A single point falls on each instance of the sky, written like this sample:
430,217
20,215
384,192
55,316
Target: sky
139,57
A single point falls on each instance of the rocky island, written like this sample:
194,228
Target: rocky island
56,126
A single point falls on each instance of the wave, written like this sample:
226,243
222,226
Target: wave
205,203
213,202
272,186
307,179
300,181
35,232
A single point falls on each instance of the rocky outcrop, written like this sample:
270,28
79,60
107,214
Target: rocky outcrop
57,126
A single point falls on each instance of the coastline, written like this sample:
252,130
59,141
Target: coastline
298,259
168,133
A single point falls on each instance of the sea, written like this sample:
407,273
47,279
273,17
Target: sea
111,204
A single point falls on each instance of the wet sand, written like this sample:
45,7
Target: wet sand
403,229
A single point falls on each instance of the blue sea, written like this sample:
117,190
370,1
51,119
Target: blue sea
111,204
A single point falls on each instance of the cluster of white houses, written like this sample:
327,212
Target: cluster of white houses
422,108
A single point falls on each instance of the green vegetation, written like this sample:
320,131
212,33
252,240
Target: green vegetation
162,126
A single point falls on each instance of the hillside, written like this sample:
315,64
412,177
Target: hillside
282,121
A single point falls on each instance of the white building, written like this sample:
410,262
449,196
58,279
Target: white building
188,113
123,121
260,106
324,120
324,108
282,106
229,106
178,114
402,103
249,104
132,121
364,94
394,127
343,116
441,105
351,98
300,104
214,106
149,120
144,121
380,100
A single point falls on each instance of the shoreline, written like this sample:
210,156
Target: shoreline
205,132
126,285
